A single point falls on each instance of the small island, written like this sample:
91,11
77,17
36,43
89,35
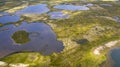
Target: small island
21,37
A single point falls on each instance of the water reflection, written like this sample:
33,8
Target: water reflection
33,9
71,7
58,15
7,19
42,39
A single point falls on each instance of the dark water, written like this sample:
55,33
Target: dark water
71,7
42,39
81,41
116,57
58,15
33,9
8,18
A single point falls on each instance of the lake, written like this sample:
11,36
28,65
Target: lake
42,39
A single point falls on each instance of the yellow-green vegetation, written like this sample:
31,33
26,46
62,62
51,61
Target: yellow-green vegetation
21,37
34,17
1,24
33,59
16,8
81,25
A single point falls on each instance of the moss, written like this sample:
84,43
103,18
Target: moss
21,37
33,59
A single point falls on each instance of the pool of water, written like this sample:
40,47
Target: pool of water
71,7
33,9
58,15
42,39
116,57
8,18
4,13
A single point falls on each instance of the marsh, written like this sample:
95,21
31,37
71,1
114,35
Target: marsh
61,33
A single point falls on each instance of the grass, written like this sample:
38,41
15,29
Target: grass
34,59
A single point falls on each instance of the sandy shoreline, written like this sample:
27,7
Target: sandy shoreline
109,62
110,44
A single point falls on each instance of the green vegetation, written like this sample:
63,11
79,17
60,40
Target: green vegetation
81,25
21,37
33,59
1,24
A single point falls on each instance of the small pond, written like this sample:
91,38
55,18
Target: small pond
39,37
71,7
33,9
8,18
117,18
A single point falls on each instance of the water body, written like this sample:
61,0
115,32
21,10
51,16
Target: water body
81,41
58,15
4,13
33,9
8,18
42,39
115,54
71,7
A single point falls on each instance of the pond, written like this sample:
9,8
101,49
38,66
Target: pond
4,13
71,7
116,18
8,18
35,37
33,9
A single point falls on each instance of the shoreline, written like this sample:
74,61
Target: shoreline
109,62
109,45
109,58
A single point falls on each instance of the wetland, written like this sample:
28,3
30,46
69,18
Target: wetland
69,33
